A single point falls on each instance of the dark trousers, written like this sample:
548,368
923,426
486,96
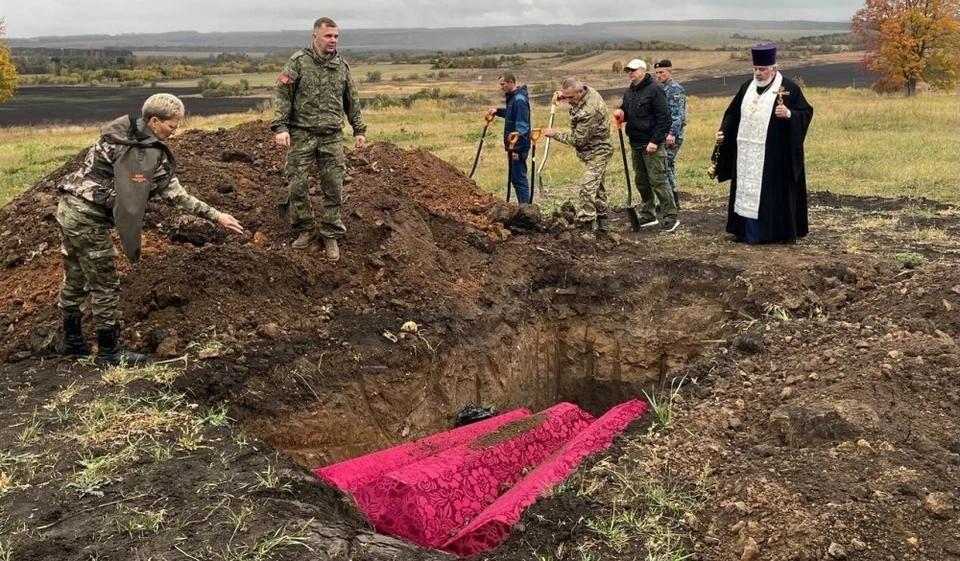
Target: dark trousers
518,176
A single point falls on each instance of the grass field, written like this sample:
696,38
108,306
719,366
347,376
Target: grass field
859,143
685,60
265,79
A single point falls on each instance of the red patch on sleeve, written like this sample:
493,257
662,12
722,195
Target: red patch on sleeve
284,79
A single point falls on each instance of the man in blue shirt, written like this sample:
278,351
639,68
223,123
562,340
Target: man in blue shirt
677,100
516,117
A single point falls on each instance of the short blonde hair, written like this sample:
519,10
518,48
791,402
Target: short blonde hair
163,106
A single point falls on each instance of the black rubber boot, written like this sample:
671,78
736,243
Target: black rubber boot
73,343
110,353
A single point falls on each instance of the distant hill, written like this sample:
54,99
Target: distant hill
445,39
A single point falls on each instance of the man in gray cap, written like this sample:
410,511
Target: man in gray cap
677,100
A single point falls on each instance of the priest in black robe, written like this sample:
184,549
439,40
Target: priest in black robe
761,152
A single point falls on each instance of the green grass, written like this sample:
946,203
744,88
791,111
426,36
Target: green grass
859,143
256,80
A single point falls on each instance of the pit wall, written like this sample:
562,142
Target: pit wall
594,362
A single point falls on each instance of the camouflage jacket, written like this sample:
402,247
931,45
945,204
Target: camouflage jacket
590,122
94,181
314,93
677,100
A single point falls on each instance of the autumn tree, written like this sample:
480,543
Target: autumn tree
909,41
8,72
617,66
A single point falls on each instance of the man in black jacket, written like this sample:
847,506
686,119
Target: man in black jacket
647,116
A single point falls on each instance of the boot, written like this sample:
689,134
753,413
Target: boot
73,343
331,249
589,230
303,241
603,224
110,353
676,199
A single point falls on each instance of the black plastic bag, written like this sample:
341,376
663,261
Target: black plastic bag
472,413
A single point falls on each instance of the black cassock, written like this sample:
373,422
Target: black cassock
782,215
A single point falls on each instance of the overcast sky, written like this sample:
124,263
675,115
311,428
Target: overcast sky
30,18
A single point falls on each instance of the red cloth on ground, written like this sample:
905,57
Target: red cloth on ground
353,474
492,526
431,500
442,491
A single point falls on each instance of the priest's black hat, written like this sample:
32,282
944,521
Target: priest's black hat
764,55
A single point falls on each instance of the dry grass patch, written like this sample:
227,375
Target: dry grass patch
114,420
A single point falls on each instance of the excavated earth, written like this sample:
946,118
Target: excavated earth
820,379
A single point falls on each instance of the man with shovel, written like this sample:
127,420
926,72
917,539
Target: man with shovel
590,136
647,116
516,119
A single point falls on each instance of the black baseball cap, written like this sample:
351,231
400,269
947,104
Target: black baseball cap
665,63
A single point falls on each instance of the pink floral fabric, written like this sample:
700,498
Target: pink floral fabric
430,501
464,489
492,526
353,474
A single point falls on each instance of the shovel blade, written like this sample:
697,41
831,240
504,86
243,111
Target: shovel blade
634,218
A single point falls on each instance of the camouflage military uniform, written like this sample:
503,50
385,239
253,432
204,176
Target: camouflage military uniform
677,100
590,136
85,216
313,94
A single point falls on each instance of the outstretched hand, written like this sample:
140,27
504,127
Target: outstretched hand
230,223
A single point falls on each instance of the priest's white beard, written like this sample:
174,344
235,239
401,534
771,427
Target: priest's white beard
765,83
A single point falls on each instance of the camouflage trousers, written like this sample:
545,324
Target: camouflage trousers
672,164
327,151
593,195
89,263
651,179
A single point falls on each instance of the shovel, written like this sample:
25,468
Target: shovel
487,118
631,211
512,139
534,137
546,148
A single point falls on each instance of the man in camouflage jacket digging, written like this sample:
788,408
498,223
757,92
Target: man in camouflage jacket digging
314,92
590,136
126,167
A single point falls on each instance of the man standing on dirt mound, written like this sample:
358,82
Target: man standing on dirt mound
645,111
761,152
126,167
516,118
314,92
590,136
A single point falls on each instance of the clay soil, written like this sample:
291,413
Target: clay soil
819,379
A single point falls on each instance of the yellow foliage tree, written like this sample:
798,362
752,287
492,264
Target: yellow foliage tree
909,41
8,72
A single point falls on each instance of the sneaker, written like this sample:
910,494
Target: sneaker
303,241
670,226
331,249
648,222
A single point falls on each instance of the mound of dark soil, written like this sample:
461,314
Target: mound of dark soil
414,222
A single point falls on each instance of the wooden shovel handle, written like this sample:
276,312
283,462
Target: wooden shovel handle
513,138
